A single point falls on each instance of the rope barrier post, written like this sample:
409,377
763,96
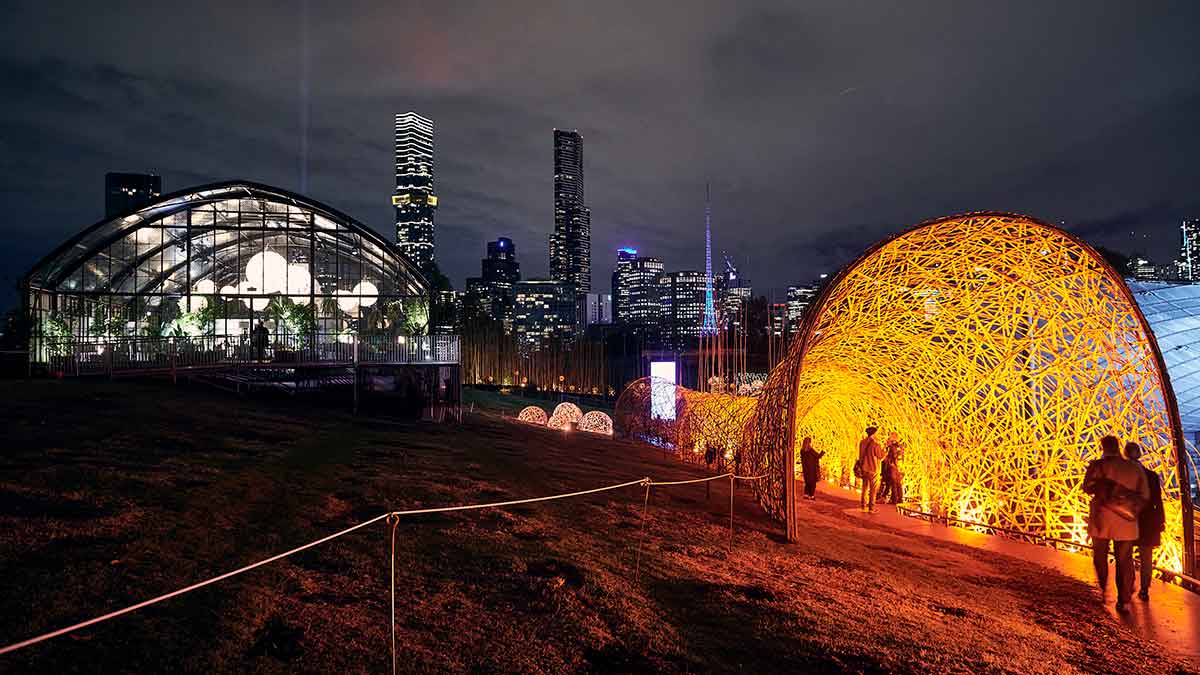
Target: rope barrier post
393,520
789,495
732,481
637,566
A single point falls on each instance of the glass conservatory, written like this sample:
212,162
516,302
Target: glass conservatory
234,267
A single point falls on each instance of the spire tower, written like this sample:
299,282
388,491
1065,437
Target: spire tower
710,315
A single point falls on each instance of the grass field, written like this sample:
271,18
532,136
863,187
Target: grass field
114,492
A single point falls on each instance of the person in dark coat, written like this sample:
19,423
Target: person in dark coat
887,469
810,462
897,477
261,337
1151,523
1119,489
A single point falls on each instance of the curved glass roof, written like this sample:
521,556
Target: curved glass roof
1173,312
210,233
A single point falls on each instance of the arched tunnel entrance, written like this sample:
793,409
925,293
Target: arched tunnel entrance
999,348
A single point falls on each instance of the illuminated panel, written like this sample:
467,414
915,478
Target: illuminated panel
662,390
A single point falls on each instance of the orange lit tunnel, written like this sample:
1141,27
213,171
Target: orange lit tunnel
1000,349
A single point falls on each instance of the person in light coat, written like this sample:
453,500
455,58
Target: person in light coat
1118,488
870,454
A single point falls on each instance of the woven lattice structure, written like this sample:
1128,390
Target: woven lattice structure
999,348
564,415
596,422
532,415
701,428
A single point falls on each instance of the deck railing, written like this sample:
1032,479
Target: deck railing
128,355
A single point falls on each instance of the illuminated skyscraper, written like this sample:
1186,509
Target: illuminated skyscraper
798,300
635,292
682,297
491,294
571,243
1189,250
414,199
544,311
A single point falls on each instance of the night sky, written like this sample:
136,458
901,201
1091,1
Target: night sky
821,126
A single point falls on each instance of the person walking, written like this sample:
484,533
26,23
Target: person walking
1151,523
887,468
1119,489
810,462
870,453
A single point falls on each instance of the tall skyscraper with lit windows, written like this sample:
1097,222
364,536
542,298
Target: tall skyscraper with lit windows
1189,250
571,243
414,199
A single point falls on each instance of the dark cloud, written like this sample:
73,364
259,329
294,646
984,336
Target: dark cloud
820,126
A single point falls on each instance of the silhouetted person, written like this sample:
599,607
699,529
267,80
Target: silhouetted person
886,469
810,463
897,476
1151,523
1119,489
870,453
261,336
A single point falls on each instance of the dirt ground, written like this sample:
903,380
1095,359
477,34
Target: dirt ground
114,492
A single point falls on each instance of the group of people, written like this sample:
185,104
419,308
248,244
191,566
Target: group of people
878,467
1126,509
1126,512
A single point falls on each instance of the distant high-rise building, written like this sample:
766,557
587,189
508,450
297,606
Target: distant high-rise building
414,199
544,310
571,243
735,297
449,313
125,192
778,317
635,292
491,294
592,309
1189,250
799,298
1142,269
683,299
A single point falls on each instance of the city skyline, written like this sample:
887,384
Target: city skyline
811,166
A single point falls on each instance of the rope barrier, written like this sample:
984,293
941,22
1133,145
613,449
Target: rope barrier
689,482
187,589
391,514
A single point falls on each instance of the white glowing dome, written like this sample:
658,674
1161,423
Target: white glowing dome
368,291
347,300
229,290
299,283
204,287
267,271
